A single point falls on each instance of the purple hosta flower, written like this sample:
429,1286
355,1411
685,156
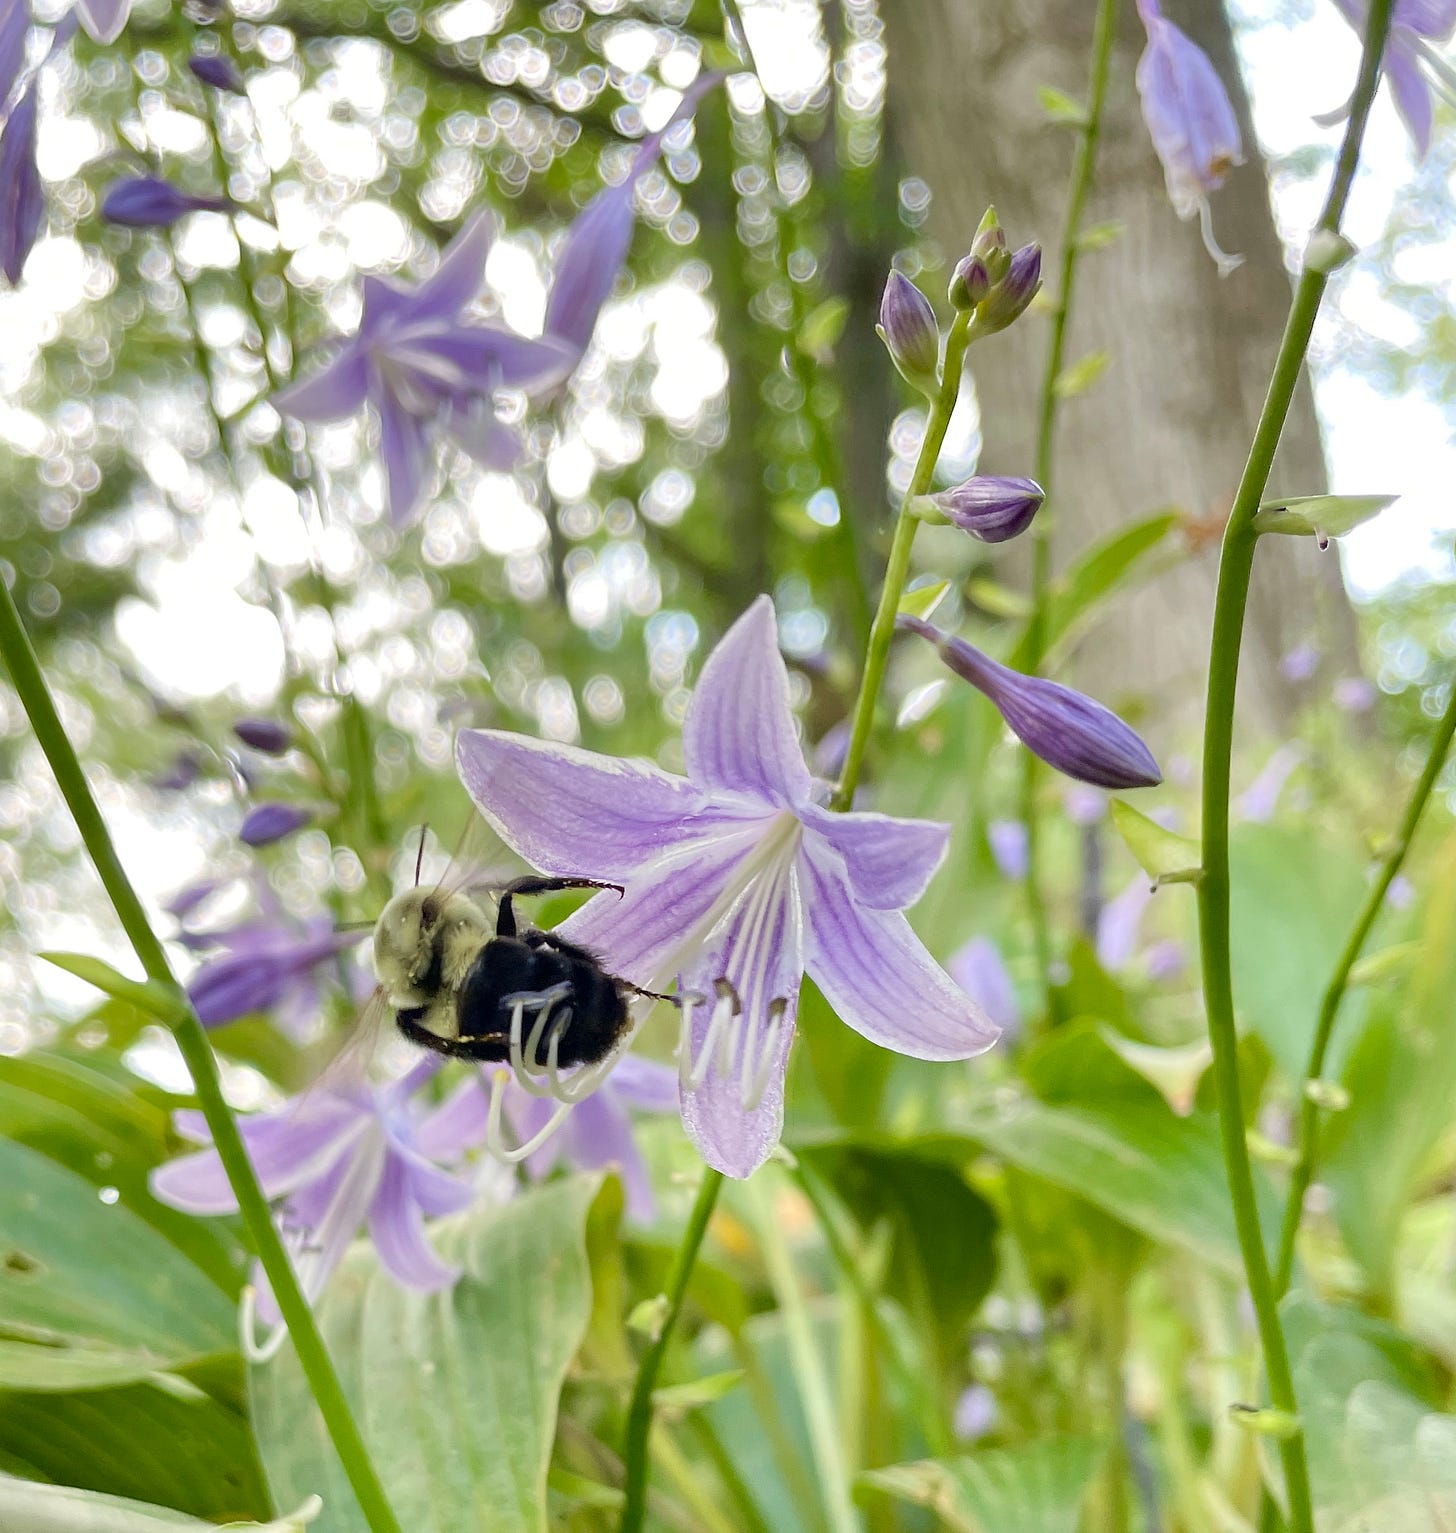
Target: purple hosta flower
736,880
419,363
1010,847
267,823
268,965
975,1413
102,19
265,735
14,30
1354,694
1261,798
990,507
22,202
598,1133
977,968
1067,730
1410,62
1191,121
1165,959
907,327
339,1159
1299,663
1009,298
216,70
1084,804
148,202
1119,927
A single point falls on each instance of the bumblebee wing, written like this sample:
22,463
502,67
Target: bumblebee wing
482,862
350,1070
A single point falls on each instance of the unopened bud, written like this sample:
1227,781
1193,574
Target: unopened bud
265,735
1010,297
990,507
908,329
970,283
272,822
217,70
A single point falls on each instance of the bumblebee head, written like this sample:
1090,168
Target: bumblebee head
411,938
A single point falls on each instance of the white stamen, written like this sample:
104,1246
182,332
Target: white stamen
495,1138
1226,262
252,1349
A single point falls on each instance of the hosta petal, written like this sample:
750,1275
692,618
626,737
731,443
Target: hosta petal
1410,89
331,393
398,1230
460,275
572,812
890,861
599,1134
877,975
404,444
645,1084
478,359
739,734
457,1124
103,19
435,1192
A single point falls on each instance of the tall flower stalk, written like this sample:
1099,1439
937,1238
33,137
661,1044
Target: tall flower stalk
1104,29
1236,563
313,1357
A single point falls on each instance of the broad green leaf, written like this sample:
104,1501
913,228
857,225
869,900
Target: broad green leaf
56,1288
33,1366
29,1507
164,1003
456,1392
1060,107
1038,1488
1165,856
1319,516
1081,374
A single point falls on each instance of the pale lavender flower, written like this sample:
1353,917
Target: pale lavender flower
102,20
907,327
338,1159
1191,121
736,881
265,735
1010,847
978,969
267,823
991,507
1119,927
1067,730
22,202
420,365
149,202
1401,894
267,964
14,29
1354,694
975,1413
218,71
1260,799
1085,805
1409,62
1165,959
1299,663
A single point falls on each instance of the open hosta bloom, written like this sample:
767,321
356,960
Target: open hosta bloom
337,1160
737,880
1409,62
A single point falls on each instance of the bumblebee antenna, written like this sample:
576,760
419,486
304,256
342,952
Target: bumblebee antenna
420,855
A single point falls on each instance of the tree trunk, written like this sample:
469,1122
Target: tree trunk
1170,421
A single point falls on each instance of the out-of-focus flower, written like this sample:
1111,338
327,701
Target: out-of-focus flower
185,769
1410,62
1009,846
598,1133
267,823
1165,959
1354,694
736,880
22,203
102,20
1085,805
1119,927
338,1159
975,1413
1066,729
977,968
265,965
907,327
14,29
149,202
266,735
1261,798
983,266
218,71
1299,663
1191,121
990,507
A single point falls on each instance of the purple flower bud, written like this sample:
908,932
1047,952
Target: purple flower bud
1010,296
971,282
266,735
908,329
991,507
271,822
185,769
218,71
148,202
1067,730
21,197
990,247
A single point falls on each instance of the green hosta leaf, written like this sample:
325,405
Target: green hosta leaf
1082,374
1060,107
697,1392
822,327
456,1392
163,1002
29,1365
28,1507
1319,516
998,600
1034,1489
921,601
1165,856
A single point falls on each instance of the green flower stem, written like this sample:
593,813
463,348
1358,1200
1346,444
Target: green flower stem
1103,32
882,630
25,673
639,1412
1235,567
1309,1113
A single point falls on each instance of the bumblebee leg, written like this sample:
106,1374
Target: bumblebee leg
453,1048
505,924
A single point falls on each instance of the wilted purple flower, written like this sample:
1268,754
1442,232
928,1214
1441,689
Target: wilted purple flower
1119,927
22,203
217,70
598,1133
1065,728
977,968
148,202
1414,26
1354,694
418,362
908,329
1299,663
1261,798
338,1159
267,823
266,965
102,19
736,880
1010,847
266,735
1191,121
991,507
1009,298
